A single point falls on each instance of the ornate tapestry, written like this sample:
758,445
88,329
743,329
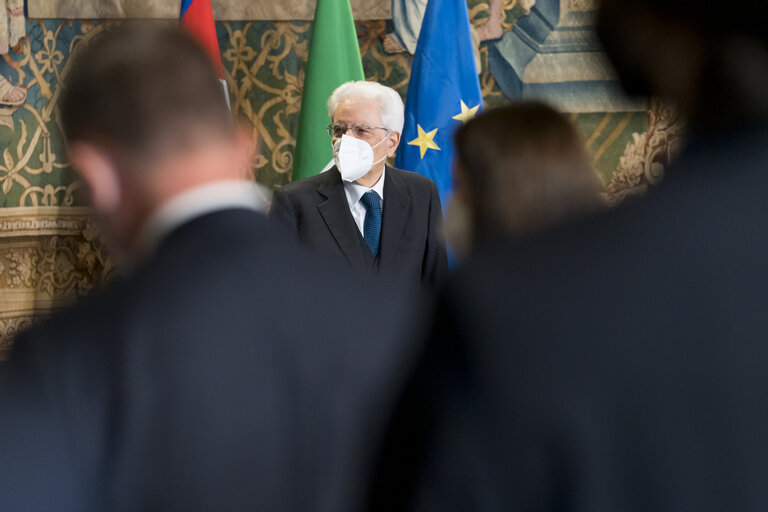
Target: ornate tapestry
49,249
222,9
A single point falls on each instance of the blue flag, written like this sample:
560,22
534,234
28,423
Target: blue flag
444,91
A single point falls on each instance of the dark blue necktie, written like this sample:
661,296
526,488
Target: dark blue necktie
372,224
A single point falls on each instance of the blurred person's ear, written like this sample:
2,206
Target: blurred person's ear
100,174
458,227
458,215
245,147
460,184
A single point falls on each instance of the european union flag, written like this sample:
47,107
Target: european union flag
444,91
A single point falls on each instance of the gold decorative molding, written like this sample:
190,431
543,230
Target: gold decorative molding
48,257
647,155
9,328
582,5
42,220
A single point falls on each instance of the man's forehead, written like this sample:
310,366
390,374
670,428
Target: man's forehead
358,108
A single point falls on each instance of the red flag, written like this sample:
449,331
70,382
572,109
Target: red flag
196,16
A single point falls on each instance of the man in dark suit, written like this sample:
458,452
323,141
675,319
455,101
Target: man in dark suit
229,370
374,216
619,364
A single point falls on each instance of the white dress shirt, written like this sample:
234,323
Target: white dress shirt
198,201
354,191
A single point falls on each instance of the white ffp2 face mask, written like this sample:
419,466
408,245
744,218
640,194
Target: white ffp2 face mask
354,157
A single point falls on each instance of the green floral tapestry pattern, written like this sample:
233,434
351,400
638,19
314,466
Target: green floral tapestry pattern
264,66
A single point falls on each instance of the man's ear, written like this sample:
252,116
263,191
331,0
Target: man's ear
461,185
100,174
394,137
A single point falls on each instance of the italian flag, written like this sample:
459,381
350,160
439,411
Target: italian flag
334,58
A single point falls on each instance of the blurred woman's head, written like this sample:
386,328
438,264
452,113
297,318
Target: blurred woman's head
519,168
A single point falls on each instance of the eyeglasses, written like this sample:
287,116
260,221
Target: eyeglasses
361,131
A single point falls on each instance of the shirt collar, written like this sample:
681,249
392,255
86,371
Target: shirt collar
196,202
355,190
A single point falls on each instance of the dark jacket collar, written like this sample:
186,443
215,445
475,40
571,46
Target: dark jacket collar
338,218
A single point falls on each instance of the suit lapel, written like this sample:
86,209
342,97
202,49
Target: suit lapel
338,218
395,216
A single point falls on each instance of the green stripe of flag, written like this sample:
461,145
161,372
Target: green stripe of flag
334,58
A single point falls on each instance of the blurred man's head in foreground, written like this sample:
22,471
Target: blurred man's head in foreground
712,63
145,118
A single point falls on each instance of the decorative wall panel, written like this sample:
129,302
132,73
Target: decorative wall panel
222,9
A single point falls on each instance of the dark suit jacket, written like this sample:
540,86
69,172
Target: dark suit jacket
412,243
616,365
230,372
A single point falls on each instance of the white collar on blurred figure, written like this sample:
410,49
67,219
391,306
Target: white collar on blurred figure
198,201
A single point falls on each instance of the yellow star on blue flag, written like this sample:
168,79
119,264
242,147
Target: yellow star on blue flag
425,140
443,80
466,113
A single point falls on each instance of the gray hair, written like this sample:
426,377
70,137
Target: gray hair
390,104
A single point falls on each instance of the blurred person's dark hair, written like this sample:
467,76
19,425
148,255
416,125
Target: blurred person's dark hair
142,88
520,168
710,64
747,18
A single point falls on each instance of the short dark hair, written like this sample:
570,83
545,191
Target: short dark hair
525,167
745,18
140,87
